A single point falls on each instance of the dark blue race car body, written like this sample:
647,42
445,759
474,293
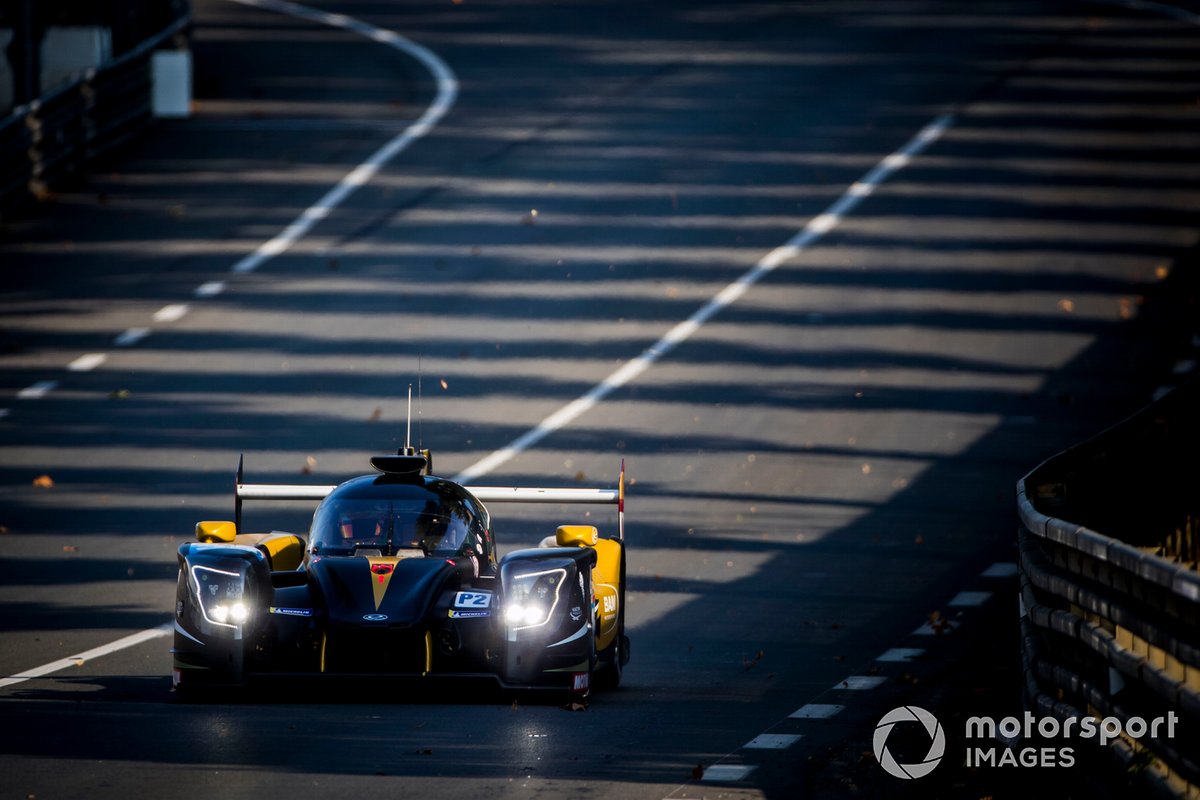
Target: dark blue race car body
399,576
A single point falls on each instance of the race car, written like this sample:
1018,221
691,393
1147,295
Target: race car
399,576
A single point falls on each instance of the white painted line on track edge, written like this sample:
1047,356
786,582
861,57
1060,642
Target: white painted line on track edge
1001,569
817,227
727,772
131,337
87,362
772,741
171,313
817,711
88,655
209,289
969,599
447,92
38,390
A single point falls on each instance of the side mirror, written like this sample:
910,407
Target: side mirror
215,532
576,536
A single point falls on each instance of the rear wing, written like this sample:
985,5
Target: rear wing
485,494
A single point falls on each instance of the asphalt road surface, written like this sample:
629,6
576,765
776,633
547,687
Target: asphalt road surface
965,235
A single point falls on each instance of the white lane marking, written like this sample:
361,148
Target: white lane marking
88,362
772,741
89,655
861,683
817,227
209,289
901,655
939,628
131,337
3,413
727,772
447,92
171,313
1183,367
37,391
969,599
1161,392
817,711
1001,569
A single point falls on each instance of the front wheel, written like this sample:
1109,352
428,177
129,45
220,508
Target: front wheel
612,663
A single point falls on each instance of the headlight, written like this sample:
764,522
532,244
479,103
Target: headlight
531,597
219,594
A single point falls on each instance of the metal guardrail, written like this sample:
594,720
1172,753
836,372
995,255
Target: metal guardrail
1111,621
59,133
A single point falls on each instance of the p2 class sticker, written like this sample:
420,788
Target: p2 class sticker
475,601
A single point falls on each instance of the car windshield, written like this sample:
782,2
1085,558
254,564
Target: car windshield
353,525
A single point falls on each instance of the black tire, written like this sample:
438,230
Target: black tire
612,662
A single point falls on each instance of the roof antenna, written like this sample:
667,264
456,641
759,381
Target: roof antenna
420,430
408,448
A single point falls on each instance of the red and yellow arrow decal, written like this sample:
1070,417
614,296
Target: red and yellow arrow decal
382,569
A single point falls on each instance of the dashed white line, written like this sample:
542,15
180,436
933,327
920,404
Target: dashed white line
772,741
37,391
131,337
939,628
171,313
969,599
209,289
817,711
87,362
861,683
1001,569
727,772
901,655
1183,367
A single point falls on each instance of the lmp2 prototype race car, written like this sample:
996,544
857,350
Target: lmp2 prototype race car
399,576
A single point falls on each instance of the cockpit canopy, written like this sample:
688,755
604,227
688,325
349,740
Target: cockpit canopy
378,516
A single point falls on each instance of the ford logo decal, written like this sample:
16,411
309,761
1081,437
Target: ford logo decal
374,617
